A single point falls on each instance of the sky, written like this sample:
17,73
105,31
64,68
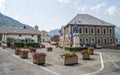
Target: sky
52,14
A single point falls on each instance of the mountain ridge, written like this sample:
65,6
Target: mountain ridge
6,20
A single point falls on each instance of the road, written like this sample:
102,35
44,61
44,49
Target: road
111,62
9,65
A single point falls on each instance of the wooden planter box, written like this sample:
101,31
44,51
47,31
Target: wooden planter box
24,54
70,60
86,56
49,49
4,47
40,60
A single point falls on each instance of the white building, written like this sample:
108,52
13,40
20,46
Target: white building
44,36
19,34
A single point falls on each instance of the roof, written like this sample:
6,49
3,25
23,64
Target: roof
18,30
85,19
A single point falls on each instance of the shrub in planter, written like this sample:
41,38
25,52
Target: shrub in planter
85,54
75,48
13,47
39,58
70,58
91,50
17,51
24,53
32,49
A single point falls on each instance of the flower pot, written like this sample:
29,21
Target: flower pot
86,56
13,47
69,60
91,51
32,49
39,59
4,47
17,51
24,54
49,49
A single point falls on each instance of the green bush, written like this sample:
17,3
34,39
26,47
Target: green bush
19,44
75,48
22,44
32,44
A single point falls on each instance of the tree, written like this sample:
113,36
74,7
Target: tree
55,38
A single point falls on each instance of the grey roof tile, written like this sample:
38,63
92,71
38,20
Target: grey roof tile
20,30
88,20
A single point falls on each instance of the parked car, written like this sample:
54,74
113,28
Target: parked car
98,46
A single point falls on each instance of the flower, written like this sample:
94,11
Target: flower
84,51
24,51
18,49
70,54
35,55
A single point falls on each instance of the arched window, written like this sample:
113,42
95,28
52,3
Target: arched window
104,31
105,41
92,30
110,31
98,31
80,30
86,30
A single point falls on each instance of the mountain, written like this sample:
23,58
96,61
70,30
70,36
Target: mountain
117,33
54,32
5,20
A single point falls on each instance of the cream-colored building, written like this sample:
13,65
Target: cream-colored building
90,29
44,36
19,34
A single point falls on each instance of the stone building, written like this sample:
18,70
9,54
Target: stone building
90,29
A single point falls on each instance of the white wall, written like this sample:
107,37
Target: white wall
35,37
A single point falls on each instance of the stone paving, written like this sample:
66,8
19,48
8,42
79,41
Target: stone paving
54,62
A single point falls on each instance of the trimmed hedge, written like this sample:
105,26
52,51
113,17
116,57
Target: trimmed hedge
32,44
22,44
19,44
75,48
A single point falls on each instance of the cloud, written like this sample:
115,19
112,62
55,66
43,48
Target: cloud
111,10
82,9
2,3
64,1
16,16
97,7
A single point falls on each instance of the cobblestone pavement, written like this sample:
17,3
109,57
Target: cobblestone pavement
11,64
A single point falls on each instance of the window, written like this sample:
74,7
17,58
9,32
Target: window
110,31
111,41
86,40
20,35
80,30
92,30
105,41
98,41
86,30
0,37
104,31
98,31
92,40
32,35
80,40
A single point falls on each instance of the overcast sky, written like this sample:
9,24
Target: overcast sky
52,14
